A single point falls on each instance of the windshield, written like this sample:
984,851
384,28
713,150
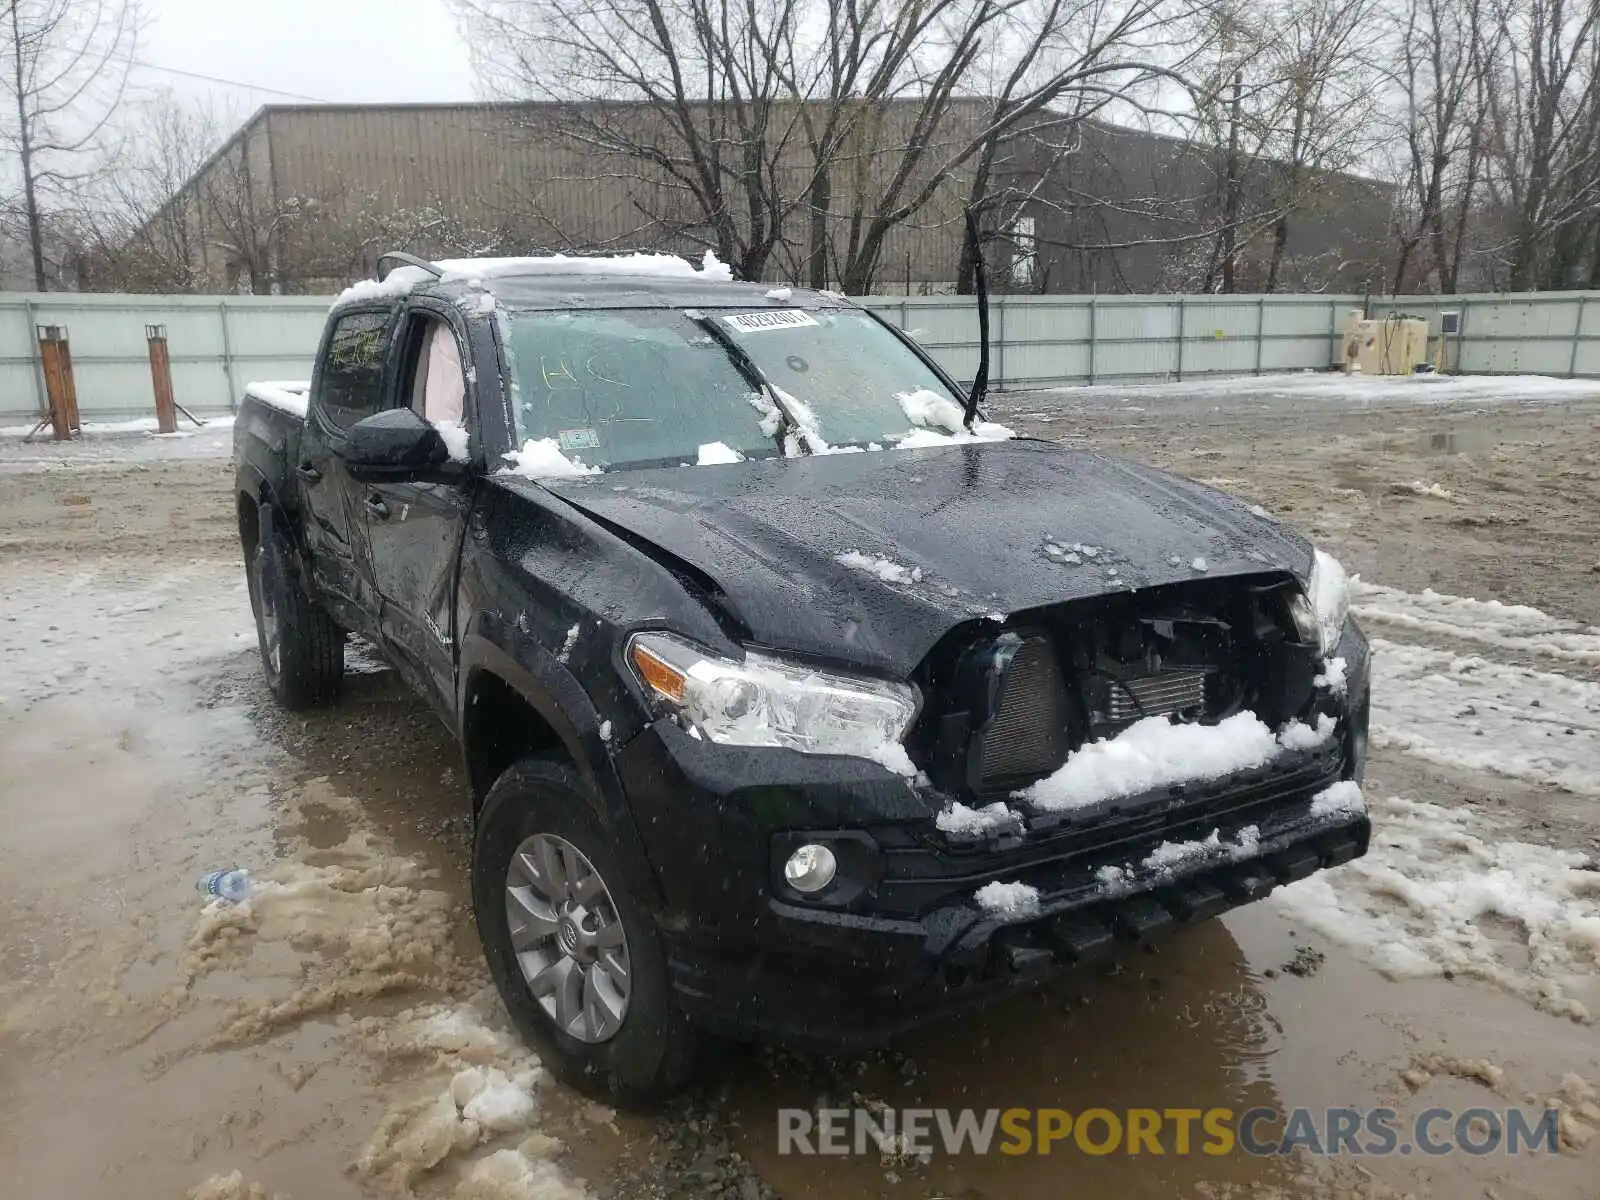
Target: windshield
651,387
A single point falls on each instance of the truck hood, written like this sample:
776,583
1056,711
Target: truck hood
873,557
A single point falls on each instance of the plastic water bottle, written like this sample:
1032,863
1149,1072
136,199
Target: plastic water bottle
232,885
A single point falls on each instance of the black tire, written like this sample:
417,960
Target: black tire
309,666
651,1055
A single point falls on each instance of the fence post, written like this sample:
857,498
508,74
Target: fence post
1183,302
161,378
56,366
1000,347
1093,296
1577,334
1261,328
227,357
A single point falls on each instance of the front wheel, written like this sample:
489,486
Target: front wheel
579,966
302,650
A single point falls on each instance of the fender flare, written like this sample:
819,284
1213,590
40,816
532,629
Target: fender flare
545,684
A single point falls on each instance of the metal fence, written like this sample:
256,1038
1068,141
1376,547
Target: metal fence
219,343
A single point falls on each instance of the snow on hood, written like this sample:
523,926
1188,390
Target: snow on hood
402,279
541,458
973,520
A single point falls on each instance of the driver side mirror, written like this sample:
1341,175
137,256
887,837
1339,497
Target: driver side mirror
393,446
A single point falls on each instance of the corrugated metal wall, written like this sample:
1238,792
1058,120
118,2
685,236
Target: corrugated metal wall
218,343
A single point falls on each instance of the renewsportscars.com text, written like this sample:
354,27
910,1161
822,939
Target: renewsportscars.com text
920,1132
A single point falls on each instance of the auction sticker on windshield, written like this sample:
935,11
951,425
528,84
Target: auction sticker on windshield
757,322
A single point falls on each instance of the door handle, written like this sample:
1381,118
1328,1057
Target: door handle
307,472
377,507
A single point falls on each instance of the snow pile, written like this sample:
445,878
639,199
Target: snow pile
714,454
541,458
779,293
483,1087
231,1187
940,421
1333,677
1009,901
1466,711
1443,890
401,280
455,438
1489,622
1155,753
965,821
1418,488
885,569
290,396
568,643
1199,564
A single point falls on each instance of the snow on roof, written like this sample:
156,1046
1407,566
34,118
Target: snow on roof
662,266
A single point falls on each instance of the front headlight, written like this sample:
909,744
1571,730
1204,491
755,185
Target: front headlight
1321,612
767,701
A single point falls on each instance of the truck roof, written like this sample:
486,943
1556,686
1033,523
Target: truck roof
560,281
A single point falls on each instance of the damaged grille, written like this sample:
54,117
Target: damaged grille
1179,693
1009,706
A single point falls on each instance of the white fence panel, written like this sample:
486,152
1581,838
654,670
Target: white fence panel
218,343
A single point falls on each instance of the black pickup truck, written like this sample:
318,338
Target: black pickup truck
795,702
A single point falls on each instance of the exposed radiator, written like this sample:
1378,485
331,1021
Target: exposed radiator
1181,692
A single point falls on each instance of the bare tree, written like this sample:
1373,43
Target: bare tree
1544,146
65,64
731,118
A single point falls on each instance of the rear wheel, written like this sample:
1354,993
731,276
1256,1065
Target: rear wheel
579,966
302,650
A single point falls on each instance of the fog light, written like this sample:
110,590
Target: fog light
810,868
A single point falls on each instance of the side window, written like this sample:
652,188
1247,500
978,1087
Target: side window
352,376
438,386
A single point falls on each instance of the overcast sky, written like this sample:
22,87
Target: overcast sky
333,50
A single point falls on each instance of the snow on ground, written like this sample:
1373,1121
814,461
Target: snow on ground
1443,890
1155,753
1489,622
1467,711
1010,901
1336,388
541,458
97,449
1419,487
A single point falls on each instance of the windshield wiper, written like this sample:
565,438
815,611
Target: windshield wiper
789,423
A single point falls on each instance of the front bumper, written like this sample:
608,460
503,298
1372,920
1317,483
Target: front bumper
905,942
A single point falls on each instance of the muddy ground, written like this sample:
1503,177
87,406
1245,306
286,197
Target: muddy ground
148,1046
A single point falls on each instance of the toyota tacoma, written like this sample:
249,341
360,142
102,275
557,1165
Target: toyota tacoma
797,699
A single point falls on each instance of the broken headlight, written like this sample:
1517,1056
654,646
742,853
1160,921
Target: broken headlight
768,701
1320,611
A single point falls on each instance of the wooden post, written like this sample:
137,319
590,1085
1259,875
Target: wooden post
161,379
74,422
55,367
